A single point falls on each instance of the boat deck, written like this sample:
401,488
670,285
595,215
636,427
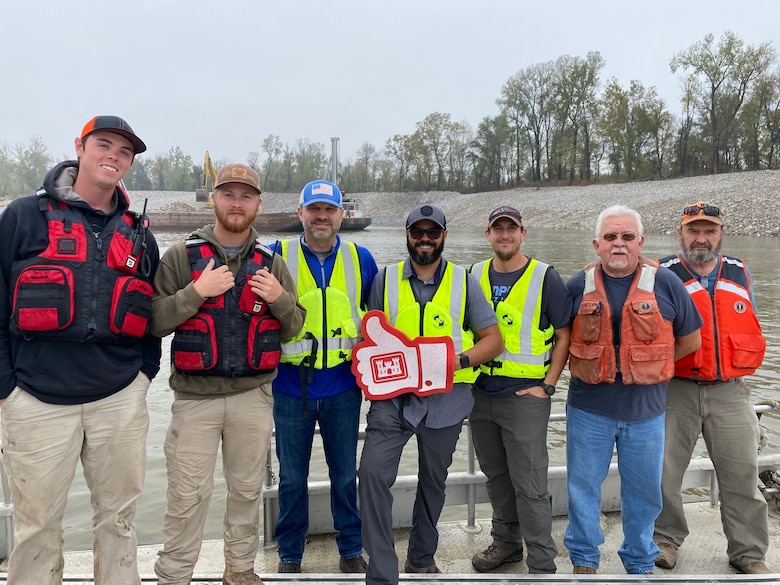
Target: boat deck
701,560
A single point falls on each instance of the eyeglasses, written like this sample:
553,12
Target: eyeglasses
701,209
626,236
432,233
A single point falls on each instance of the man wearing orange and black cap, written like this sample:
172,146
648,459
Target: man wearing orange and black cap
76,355
708,396
230,302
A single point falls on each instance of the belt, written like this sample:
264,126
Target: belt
702,382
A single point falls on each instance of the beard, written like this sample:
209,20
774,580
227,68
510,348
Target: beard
701,254
424,259
234,225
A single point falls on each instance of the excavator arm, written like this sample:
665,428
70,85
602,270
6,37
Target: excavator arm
209,180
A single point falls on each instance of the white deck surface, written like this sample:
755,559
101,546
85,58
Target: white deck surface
702,559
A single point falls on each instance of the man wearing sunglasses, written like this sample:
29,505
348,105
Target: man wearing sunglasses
423,294
631,320
708,395
512,396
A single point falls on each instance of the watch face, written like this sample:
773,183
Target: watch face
549,388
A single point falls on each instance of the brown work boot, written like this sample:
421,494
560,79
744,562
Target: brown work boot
752,568
579,570
667,555
410,568
242,578
354,565
288,567
494,556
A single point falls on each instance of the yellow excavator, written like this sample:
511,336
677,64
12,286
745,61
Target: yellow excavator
209,179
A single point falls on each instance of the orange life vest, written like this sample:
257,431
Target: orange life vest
732,344
646,352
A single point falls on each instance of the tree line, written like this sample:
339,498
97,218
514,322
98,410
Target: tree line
557,123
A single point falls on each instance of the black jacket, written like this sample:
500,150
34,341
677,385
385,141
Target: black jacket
64,372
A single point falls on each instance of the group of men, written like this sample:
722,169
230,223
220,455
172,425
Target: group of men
264,338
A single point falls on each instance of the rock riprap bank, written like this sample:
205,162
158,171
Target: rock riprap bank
750,203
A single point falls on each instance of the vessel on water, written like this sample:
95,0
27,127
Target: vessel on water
285,221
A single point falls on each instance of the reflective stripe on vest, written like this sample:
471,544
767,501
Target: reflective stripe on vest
523,303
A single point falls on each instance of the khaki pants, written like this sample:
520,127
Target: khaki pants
243,422
724,415
42,444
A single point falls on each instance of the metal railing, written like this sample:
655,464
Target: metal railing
468,488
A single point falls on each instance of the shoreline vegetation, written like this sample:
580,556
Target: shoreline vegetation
750,203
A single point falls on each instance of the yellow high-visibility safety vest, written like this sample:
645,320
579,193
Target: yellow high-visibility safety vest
333,316
444,315
527,349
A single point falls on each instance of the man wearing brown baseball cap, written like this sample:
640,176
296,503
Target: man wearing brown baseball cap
230,302
77,267
709,396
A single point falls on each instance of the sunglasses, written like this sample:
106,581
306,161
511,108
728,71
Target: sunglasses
432,233
626,237
701,209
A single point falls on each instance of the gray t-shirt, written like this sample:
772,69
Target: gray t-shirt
438,410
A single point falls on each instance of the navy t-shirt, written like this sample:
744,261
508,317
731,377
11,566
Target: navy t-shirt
630,402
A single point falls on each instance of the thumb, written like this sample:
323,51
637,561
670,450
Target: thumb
210,266
377,329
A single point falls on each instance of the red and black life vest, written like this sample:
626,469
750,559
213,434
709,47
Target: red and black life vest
233,335
83,287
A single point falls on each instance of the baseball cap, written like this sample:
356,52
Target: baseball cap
505,211
701,211
320,191
116,125
427,211
238,173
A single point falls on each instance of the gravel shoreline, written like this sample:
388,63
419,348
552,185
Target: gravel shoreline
750,202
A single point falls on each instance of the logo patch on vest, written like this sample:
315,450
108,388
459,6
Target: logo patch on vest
740,307
645,307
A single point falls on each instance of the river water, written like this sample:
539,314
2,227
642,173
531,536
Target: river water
568,251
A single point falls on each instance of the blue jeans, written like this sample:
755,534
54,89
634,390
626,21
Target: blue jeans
338,417
590,439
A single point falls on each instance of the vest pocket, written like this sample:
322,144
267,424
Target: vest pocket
649,365
747,350
264,343
194,346
249,302
589,320
131,306
43,298
586,363
644,320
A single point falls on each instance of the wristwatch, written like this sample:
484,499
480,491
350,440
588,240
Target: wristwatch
548,388
465,362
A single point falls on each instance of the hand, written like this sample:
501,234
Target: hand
537,391
213,282
265,285
387,363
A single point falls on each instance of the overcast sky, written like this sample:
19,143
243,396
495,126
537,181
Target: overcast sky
221,75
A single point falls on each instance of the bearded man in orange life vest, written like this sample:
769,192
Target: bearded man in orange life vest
708,395
631,320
